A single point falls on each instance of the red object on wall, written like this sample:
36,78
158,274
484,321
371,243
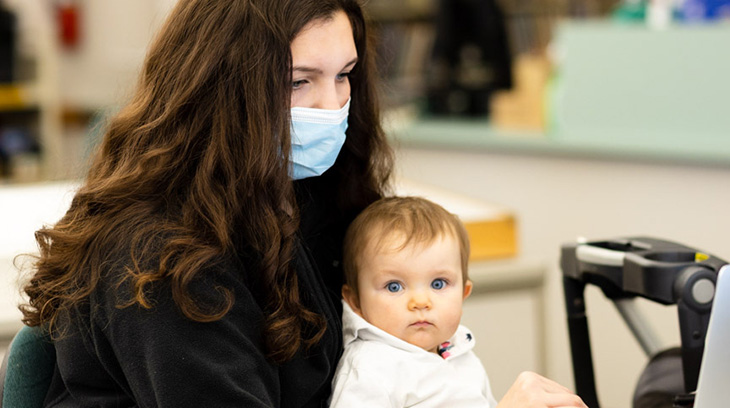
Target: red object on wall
68,24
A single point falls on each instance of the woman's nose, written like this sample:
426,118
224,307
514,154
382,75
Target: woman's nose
418,301
332,96
328,99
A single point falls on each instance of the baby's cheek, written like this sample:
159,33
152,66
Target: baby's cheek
381,314
453,320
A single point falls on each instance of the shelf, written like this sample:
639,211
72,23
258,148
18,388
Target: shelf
476,135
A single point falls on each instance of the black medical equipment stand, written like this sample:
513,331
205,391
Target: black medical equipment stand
625,268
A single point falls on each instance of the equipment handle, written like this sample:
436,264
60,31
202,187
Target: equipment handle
599,256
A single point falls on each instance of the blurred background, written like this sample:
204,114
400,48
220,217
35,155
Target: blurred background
593,118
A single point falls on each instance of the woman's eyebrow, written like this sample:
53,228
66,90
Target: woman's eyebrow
307,69
304,68
351,63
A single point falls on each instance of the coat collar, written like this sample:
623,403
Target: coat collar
355,327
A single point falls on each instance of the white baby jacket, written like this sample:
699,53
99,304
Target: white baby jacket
380,370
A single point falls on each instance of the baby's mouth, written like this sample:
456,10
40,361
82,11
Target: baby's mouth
421,323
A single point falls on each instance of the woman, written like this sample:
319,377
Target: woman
191,269
199,264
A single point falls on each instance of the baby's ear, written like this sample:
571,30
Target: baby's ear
468,286
351,298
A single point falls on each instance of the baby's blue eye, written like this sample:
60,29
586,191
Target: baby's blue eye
394,287
438,284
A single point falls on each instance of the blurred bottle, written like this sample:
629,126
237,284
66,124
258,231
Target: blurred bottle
659,13
69,23
699,11
630,11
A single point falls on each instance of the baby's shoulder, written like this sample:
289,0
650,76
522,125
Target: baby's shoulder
367,350
374,354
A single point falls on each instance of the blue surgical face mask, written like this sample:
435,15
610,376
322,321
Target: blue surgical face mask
317,135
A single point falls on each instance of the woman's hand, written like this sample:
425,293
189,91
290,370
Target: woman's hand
532,390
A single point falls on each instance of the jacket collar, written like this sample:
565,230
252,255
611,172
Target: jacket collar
355,327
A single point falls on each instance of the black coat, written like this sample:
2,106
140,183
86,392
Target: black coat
123,357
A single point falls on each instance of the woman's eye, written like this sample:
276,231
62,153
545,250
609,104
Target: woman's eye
438,284
393,287
298,84
343,76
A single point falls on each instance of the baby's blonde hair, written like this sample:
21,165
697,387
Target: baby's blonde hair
416,219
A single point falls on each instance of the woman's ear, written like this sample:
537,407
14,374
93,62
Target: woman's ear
468,286
351,298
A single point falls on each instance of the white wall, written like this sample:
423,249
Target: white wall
559,199
114,39
114,36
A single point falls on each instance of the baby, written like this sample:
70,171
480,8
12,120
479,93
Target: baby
405,262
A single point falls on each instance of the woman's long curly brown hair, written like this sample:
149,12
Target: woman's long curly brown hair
196,161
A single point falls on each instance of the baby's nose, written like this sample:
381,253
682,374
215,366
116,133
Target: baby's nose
418,301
